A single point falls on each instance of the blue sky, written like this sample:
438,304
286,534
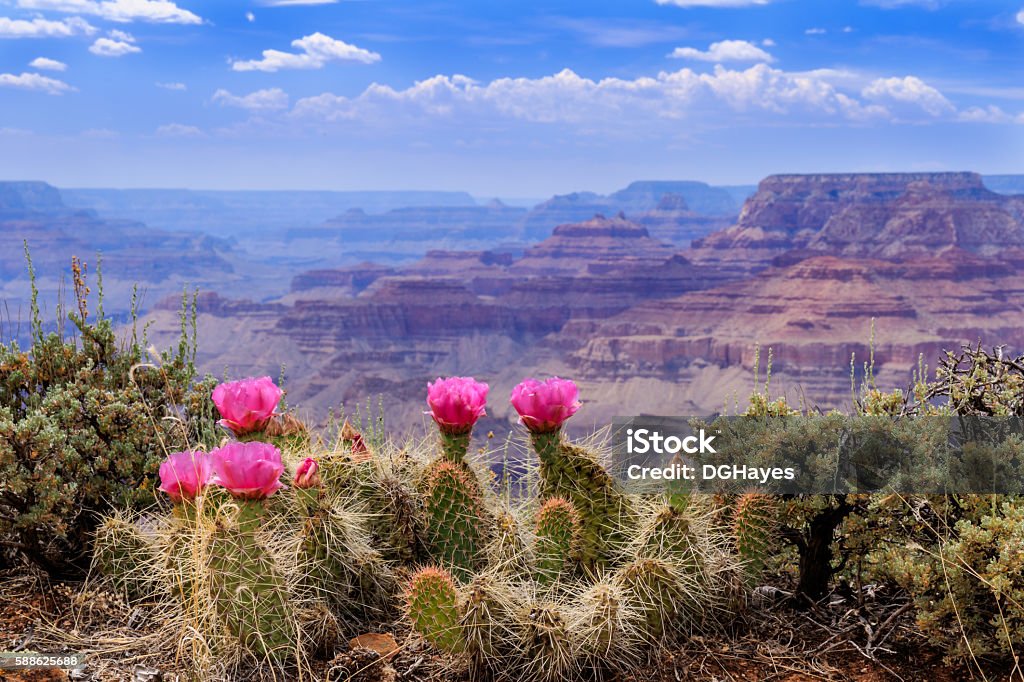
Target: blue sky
522,98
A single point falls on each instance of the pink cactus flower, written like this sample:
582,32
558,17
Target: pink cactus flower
183,475
247,405
249,471
456,403
543,406
307,475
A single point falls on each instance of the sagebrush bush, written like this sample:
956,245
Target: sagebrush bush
84,423
968,588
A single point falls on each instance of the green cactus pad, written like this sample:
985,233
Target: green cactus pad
433,609
753,523
572,473
558,538
247,590
125,556
656,595
455,517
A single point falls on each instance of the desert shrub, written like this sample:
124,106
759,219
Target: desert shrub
84,423
968,586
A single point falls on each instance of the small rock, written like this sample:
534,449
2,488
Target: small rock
358,665
141,673
381,642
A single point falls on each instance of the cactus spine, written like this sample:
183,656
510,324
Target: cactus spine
666,534
546,647
454,511
247,590
124,555
433,609
558,538
605,627
572,473
655,593
754,520
487,615
507,552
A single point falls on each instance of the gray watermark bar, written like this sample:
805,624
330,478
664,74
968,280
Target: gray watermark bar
820,455
30,660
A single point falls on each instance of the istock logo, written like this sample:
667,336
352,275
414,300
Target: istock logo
648,441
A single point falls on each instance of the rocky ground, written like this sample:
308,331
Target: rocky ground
840,640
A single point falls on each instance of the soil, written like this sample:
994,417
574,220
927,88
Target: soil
825,644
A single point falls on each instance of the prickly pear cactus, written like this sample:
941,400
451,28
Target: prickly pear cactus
572,473
754,520
507,551
548,652
247,590
665,533
488,613
653,589
454,446
605,626
558,538
432,604
125,556
455,517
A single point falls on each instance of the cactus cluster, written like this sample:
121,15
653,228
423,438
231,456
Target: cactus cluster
579,579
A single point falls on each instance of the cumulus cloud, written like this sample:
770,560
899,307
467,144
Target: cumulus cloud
47,64
117,45
908,90
816,31
261,100
724,51
123,11
567,97
1020,17
250,17
178,130
44,28
35,81
315,51
989,114
180,87
713,3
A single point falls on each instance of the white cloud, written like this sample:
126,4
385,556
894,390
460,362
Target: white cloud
713,3
909,90
815,31
847,29
178,130
44,28
316,50
47,64
1020,17
768,42
250,17
117,45
124,11
568,98
724,51
989,114
180,87
261,100
35,81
